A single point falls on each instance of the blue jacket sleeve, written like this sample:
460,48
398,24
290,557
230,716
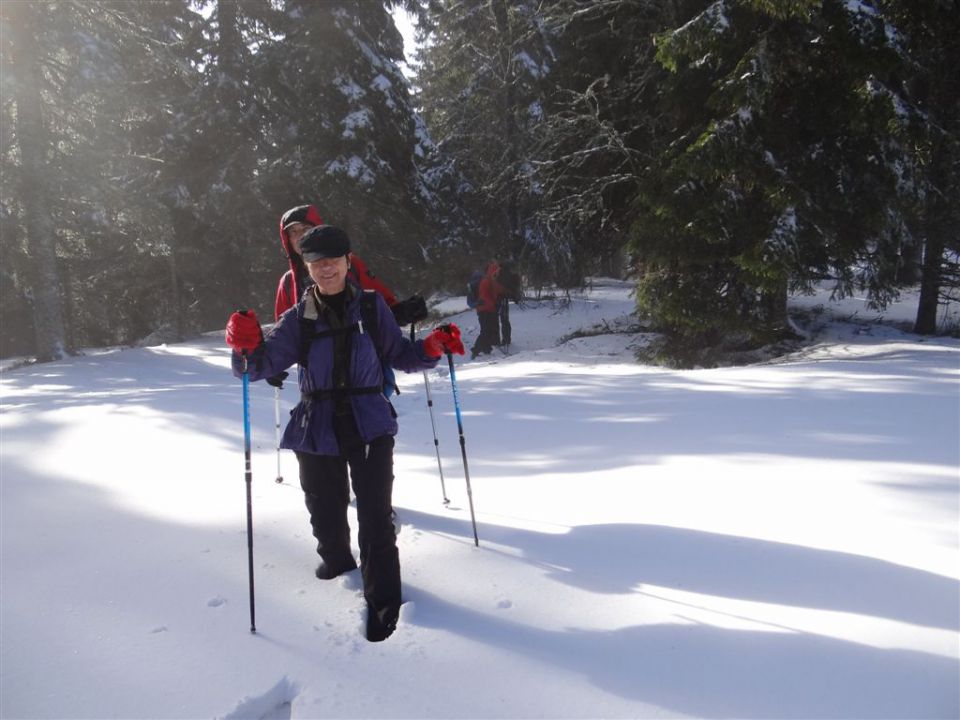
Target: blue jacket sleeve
398,350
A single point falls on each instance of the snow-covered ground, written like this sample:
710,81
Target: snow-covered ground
777,540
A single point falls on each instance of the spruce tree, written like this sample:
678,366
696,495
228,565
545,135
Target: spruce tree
23,57
341,131
163,68
221,221
601,123
785,166
929,101
62,65
483,76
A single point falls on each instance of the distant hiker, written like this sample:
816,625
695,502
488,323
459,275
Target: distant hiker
294,223
489,293
343,418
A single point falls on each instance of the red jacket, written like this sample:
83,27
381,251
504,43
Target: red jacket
368,281
292,282
288,291
490,290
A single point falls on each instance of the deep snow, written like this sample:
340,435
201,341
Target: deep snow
776,540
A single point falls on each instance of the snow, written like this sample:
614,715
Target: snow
349,88
353,167
358,119
533,68
775,540
381,83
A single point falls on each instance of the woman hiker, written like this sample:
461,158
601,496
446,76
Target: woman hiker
343,419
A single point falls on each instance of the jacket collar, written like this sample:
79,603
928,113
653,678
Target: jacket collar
313,305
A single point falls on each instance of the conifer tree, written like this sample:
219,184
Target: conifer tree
483,76
601,122
163,68
929,100
787,164
66,74
220,218
24,57
341,131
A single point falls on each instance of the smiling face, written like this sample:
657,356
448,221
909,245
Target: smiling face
330,274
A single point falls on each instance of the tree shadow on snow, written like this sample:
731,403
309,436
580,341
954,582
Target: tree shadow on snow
579,420
620,558
705,671
159,381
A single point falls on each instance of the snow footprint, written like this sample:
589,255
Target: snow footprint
275,704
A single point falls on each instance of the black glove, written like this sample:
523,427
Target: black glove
277,380
413,309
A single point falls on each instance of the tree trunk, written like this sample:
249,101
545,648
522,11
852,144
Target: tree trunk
44,282
238,166
926,323
182,225
773,303
498,9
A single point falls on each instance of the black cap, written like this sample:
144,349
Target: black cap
324,241
306,214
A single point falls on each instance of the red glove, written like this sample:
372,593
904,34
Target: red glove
243,331
445,338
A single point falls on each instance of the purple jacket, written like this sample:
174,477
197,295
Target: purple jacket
311,422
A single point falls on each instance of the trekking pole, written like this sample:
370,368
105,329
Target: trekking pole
276,409
463,445
436,442
248,478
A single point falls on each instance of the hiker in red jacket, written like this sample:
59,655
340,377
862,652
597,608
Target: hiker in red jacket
490,293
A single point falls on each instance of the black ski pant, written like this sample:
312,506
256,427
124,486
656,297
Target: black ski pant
489,333
326,493
506,330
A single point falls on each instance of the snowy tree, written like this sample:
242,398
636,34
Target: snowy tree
211,184
601,122
483,75
787,164
341,131
26,63
64,82
929,100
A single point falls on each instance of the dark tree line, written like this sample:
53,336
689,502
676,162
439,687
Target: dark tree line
738,149
727,153
149,149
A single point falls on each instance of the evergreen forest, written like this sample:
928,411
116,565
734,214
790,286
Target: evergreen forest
723,154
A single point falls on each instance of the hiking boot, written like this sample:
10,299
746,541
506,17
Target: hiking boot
381,625
329,572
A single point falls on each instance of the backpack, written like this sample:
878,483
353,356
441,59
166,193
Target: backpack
369,323
473,289
512,283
